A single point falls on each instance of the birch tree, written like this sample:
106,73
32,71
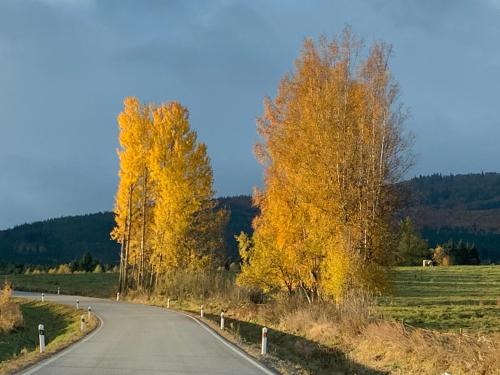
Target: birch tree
333,147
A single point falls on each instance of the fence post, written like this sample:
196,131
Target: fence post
82,322
43,297
263,350
89,310
77,304
201,311
222,320
41,337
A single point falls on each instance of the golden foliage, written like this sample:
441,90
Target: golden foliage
332,149
166,217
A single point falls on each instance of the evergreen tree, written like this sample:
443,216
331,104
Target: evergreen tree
412,249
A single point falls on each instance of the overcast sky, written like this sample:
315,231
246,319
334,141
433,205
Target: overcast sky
66,65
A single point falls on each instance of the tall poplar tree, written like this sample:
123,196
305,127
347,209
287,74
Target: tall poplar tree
165,211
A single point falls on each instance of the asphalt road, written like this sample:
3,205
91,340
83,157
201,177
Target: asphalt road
140,339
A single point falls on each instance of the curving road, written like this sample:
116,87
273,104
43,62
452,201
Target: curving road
140,339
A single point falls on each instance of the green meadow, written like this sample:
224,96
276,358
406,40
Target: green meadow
445,298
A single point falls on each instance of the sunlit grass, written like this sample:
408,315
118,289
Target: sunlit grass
445,298
19,347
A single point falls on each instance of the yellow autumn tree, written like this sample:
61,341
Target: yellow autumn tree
134,126
166,218
187,228
333,148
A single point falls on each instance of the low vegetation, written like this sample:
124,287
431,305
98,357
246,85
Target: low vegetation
19,347
10,312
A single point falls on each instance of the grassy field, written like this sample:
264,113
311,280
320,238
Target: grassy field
446,298
62,327
84,284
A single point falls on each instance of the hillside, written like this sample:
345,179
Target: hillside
60,240
64,239
455,207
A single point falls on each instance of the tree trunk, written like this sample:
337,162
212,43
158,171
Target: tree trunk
143,229
122,259
127,241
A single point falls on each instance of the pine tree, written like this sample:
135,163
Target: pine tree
412,248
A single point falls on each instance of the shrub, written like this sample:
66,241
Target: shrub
63,269
98,269
10,312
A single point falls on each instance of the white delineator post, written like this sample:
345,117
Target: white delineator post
263,350
43,297
222,320
58,290
168,303
41,337
118,296
82,322
77,304
201,311
89,310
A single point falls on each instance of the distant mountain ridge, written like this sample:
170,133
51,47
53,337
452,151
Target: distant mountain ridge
455,207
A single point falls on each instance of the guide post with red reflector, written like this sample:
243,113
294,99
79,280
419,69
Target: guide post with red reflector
263,350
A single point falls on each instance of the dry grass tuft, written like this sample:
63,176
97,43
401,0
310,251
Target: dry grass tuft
10,312
401,349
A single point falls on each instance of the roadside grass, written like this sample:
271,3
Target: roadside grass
19,348
452,298
287,352
84,284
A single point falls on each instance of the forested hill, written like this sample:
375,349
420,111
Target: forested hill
60,240
64,239
456,207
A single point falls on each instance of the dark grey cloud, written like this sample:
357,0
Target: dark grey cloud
66,65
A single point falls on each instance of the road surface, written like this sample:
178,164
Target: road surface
139,339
